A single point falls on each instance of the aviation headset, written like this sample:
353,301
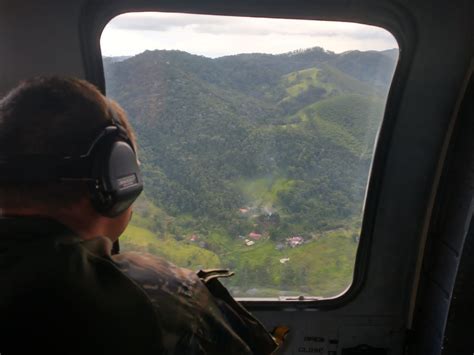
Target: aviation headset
109,167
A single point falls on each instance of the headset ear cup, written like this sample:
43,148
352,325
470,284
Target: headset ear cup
117,176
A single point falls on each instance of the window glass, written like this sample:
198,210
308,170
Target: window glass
256,138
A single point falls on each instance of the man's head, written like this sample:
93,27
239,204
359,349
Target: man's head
52,116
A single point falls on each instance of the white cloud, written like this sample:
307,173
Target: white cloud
215,36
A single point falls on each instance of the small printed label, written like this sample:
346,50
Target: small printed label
310,350
314,338
127,181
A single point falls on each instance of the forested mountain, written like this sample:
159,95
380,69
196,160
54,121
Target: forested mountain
274,145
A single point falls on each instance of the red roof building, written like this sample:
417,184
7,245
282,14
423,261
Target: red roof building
255,235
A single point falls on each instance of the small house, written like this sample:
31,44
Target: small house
294,241
255,235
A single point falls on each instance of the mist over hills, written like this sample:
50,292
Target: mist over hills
288,135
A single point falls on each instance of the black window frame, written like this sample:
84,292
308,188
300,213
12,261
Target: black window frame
95,15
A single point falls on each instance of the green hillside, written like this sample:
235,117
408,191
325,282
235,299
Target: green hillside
246,154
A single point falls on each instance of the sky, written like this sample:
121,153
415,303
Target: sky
217,36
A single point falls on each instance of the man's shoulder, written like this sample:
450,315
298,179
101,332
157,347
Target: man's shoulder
189,317
177,293
194,315
159,277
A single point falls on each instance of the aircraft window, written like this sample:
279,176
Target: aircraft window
256,138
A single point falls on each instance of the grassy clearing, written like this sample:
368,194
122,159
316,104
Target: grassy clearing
327,78
327,263
319,268
300,81
181,253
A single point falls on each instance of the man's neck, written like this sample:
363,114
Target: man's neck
79,219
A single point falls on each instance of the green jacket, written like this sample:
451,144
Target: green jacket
60,294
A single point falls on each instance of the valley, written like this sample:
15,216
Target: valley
254,162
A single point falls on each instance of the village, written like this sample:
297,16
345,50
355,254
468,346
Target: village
264,218
254,237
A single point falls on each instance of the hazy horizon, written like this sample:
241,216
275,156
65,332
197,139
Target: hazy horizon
218,36
229,55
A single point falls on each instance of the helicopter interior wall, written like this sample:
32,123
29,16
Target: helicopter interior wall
39,38
446,282
436,41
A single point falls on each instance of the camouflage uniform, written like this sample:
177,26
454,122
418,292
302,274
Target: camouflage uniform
66,295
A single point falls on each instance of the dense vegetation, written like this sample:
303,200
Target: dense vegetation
254,162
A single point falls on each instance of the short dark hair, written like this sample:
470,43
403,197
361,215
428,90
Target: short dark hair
52,116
